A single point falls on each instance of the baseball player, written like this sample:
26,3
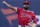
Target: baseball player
24,15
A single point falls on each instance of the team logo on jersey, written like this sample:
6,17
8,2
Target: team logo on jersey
25,15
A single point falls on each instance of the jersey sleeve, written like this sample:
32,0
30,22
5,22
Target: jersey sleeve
18,9
34,18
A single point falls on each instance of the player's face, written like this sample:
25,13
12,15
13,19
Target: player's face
26,6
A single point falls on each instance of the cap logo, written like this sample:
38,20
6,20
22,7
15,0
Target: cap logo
26,1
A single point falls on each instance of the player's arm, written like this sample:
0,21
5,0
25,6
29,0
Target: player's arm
34,19
14,8
34,22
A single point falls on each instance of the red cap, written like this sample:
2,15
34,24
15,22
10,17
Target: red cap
26,2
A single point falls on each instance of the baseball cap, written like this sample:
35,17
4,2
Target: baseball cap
26,2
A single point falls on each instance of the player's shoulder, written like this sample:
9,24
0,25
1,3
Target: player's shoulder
30,11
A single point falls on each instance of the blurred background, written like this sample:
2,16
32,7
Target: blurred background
8,17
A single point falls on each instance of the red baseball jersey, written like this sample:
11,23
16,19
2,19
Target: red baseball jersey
24,16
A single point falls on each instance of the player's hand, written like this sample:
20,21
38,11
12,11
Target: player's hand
32,24
4,2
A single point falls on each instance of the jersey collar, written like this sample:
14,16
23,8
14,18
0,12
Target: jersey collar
26,10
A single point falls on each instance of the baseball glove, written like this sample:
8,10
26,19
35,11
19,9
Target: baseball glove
32,24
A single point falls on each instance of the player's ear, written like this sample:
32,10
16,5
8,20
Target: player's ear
23,5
